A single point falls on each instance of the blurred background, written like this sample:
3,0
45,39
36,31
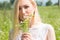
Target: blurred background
49,10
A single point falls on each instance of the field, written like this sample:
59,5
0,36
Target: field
49,14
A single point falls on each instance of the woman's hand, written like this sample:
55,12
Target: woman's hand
26,36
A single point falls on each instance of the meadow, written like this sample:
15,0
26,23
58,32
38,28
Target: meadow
49,14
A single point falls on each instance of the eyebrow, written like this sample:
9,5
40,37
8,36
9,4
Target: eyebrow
23,5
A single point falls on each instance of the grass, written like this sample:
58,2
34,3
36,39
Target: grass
49,14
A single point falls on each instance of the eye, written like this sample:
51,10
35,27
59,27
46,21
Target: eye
19,8
26,7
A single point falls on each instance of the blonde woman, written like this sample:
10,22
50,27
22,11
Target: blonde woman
37,29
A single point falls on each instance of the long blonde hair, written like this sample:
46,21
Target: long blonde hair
16,17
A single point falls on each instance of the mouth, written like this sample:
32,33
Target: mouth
25,17
22,19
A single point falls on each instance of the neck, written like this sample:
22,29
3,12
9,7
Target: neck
31,22
35,21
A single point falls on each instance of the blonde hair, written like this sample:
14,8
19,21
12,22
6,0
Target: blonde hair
16,17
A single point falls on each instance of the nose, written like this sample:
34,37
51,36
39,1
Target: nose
23,10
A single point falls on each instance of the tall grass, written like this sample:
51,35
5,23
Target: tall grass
5,24
49,14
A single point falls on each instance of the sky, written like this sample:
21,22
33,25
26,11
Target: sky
4,0
54,1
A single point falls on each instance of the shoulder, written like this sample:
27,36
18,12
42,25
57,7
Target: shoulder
50,32
47,26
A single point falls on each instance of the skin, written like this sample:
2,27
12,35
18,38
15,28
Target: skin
25,9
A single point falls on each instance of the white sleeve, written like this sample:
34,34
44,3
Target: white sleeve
51,33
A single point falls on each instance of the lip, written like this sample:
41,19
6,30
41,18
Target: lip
25,16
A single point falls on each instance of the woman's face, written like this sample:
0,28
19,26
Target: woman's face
25,9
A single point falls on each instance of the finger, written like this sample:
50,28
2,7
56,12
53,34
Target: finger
26,39
26,36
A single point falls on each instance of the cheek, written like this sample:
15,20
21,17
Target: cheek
30,10
20,15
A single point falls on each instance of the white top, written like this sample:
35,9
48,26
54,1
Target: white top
38,32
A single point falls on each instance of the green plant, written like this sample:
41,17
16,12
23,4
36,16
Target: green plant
25,24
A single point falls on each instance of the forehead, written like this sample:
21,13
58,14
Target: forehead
24,2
